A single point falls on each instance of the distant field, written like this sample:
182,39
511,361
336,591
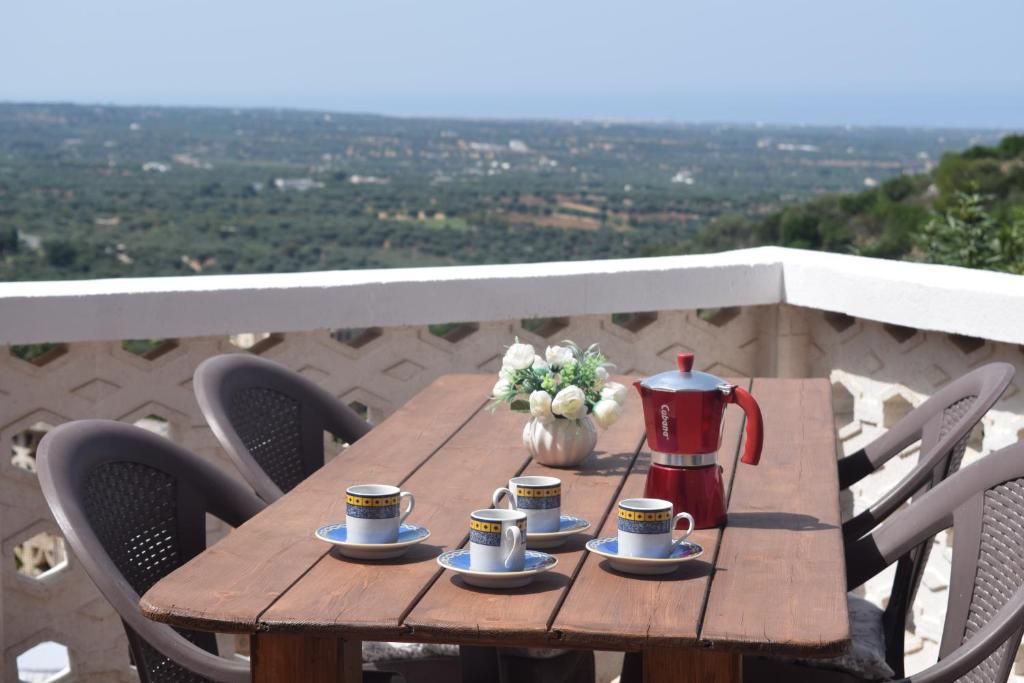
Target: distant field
562,221
126,191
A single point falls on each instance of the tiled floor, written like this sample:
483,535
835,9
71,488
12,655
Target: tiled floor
608,665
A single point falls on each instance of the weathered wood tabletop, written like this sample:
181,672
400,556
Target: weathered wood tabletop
771,582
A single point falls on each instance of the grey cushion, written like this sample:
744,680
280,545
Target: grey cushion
535,652
866,658
389,652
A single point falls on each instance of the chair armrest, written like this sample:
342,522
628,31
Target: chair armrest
899,436
236,504
867,556
1006,623
169,643
856,466
909,486
343,422
853,468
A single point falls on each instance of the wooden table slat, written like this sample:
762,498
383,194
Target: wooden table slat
606,609
780,581
341,596
506,617
228,586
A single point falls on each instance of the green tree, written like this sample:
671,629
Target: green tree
969,236
60,253
8,240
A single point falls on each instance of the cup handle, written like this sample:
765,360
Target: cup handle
412,504
675,520
517,540
497,496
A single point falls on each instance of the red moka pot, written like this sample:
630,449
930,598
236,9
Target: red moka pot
683,413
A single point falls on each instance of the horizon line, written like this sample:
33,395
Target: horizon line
595,119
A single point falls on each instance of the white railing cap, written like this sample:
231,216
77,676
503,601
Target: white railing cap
976,303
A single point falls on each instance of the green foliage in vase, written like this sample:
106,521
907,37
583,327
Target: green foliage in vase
569,382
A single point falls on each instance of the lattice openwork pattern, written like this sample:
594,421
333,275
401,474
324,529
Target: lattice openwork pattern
1000,570
269,424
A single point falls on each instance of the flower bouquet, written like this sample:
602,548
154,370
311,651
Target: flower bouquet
565,392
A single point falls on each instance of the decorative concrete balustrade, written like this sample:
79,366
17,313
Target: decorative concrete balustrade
887,334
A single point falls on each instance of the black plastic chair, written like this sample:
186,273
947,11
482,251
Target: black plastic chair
984,505
943,425
270,420
132,506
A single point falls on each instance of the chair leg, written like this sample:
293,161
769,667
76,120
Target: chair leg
479,664
632,668
424,670
574,666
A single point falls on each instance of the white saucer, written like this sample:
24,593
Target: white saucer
609,547
458,562
408,536
567,526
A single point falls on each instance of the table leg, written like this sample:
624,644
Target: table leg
284,658
686,665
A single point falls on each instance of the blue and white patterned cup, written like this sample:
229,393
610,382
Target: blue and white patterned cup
645,527
372,513
497,540
539,497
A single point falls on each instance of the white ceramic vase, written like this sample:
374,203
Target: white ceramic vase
560,443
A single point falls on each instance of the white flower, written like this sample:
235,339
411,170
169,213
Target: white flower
540,406
558,356
539,363
519,356
506,373
613,391
570,403
606,412
501,387
600,377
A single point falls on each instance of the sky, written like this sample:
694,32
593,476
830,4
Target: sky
854,62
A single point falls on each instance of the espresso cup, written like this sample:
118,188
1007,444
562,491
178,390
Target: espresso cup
372,513
539,497
497,540
645,527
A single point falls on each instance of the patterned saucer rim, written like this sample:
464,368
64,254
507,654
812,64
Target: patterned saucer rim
546,535
550,562
594,546
322,532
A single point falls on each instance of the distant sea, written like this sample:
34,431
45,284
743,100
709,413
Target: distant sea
998,110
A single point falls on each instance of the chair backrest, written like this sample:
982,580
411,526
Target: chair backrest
943,425
989,539
270,420
132,506
984,504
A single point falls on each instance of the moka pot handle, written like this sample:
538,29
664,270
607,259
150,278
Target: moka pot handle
755,425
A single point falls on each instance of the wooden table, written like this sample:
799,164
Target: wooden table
771,582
